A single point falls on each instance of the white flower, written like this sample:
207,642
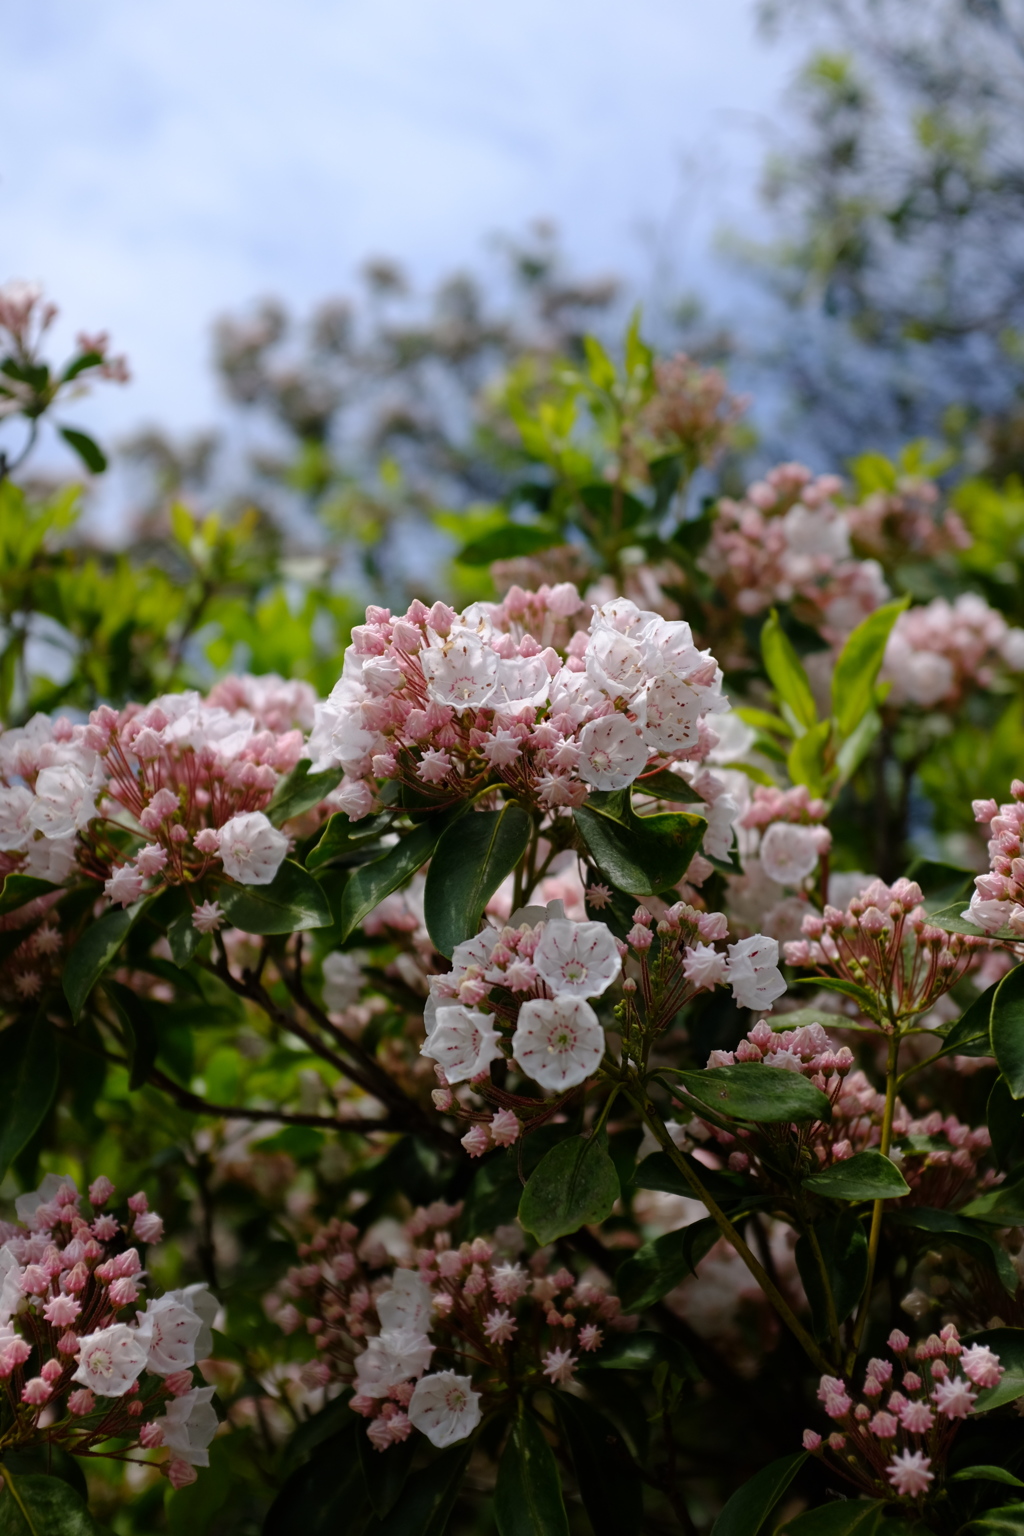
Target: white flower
110,1360
789,852
522,680
189,1423
407,1304
445,1408
343,979
64,802
721,815
615,664
989,915
612,752
735,739
754,975
463,1041
463,672
704,965
15,804
50,858
10,1285
391,1358
558,1041
251,850
669,712
125,885
577,959
169,1328
204,1303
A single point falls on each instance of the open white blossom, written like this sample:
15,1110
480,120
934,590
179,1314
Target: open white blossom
445,1408
558,1041
789,852
391,1358
111,1359
407,1304
612,752
64,802
188,1425
169,1327
463,1041
577,959
251,849
463,672
754,974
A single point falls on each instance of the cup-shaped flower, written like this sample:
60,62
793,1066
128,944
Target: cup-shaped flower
463,1042
169,1327
612,752
463,672
189,1423
251,849
111,1360
558,1041
577,959
445,1408
754,974
789,852
391,1358
406,1304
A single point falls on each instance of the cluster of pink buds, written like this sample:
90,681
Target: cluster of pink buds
938,653
997,905
83,1360
792,838
451,703
895,1440
482,1321
906,521
788,540
884,944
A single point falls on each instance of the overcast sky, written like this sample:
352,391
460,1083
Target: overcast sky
164,160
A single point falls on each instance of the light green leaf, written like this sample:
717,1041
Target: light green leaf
786,671
528,1494
749,1507
865,1176
469,863
1007,1520
573,1186
293,902
806,758
858,666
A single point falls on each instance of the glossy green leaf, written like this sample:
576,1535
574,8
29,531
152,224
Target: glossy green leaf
371,882
90,452
638,854
326,1494
1007,1520
606,1475
508,543
861,996
749,1507
799,1017
960,1232
667,786
341,837
786,672
971,1034
644,1351
33,1505
28,1082
983,1474
1008,1344
95,950
300,791
428,1497
864,1176
183,937
1007,1026
658,1266
293,902
528,1494
1004,1116
573,1186
659,1171
847,1517
855,748
470,861
859,663
141,1035
19,890
385,1473
843,1245
751,1091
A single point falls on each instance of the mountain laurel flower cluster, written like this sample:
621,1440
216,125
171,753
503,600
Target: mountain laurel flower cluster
940,652
449,704
894,1441
790,836
884,945
433,1343
997,905
85,1357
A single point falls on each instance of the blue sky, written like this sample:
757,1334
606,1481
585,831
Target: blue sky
164,160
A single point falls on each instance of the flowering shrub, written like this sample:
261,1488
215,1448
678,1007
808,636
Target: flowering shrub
563,1039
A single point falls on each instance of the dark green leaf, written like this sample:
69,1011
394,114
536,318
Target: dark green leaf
606,1474
95,950
1008,1344
19,890
864,1176
1005,1119
658,1171
639,854
786,672
141,1035
574,1185
90,453
369,885
749,1507
470,861
960,1232
293,902
183,937
28,1082
644,1351
428,1497
1008,1029
1002,1206
667,786
849,1517
325,1495
300,791
385,1472
751,1091
31,1505
660,1265
864,999
83,361
801,1016
1007,1520
971,1034
609,505
941,883
844,1254
949,919
528,1495
312,1432
508,543
858,665
984,1474
341,836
